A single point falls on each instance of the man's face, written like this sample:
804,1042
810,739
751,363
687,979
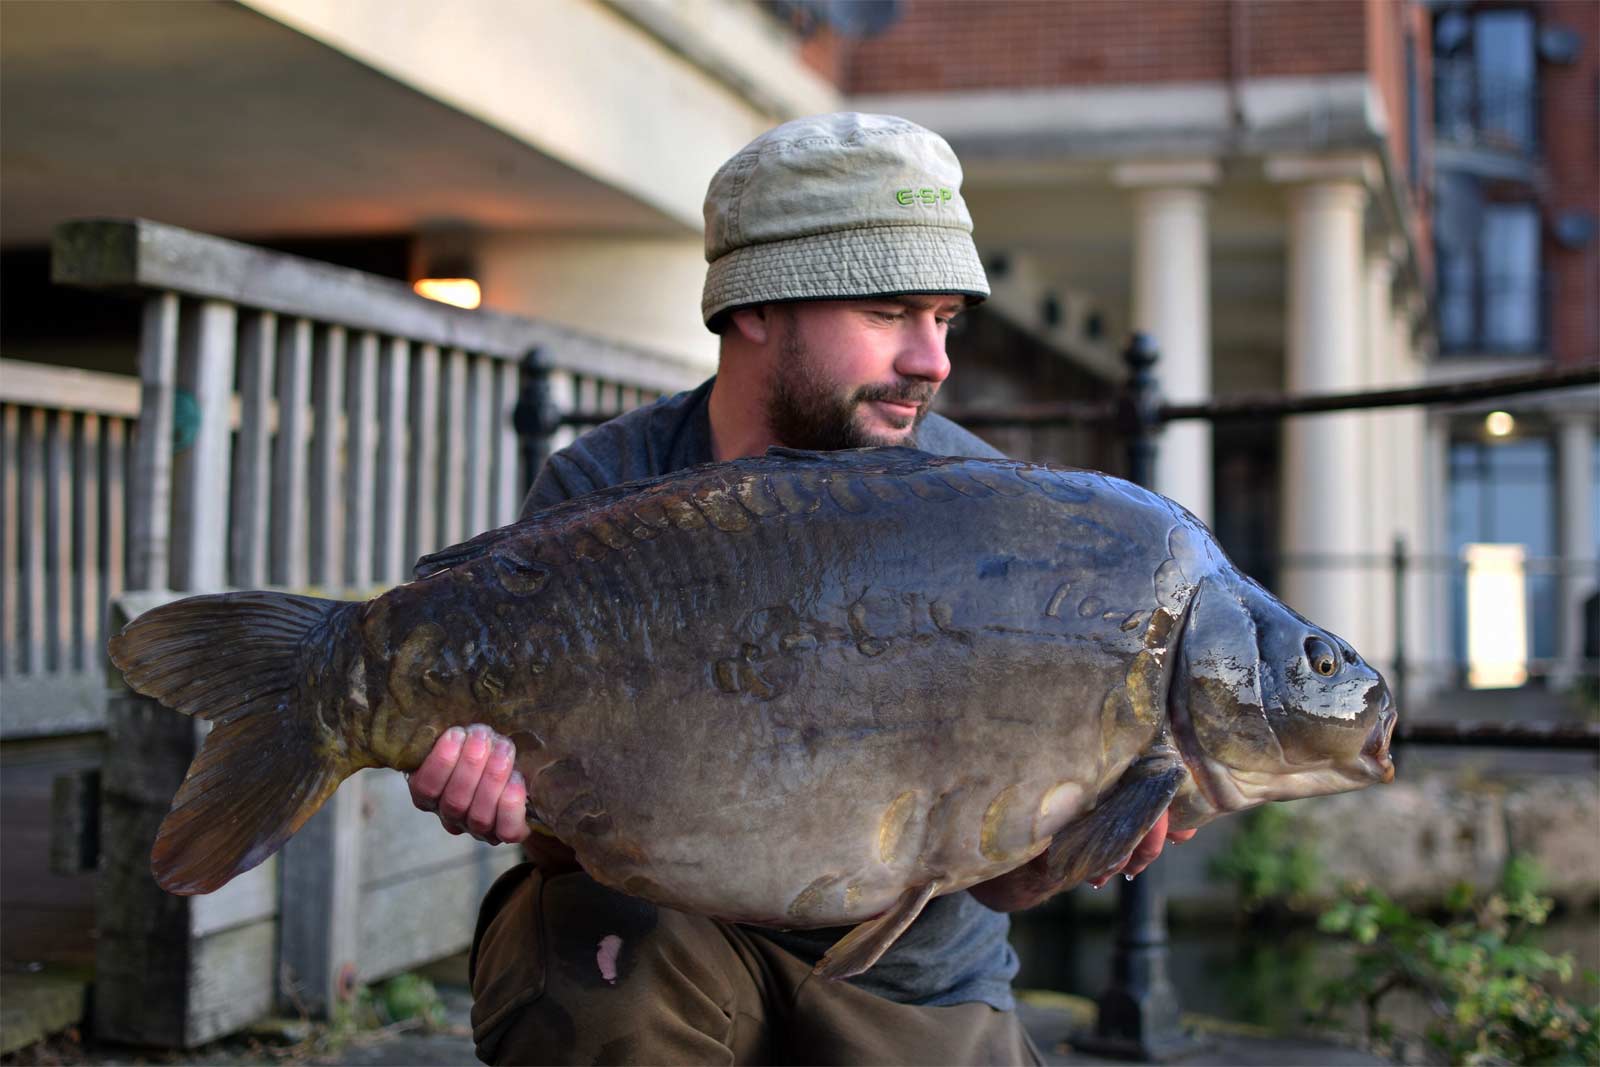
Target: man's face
858,373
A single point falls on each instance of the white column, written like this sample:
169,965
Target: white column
1380,456
1323,502
1172,303
1575,458
1411,504
1437,665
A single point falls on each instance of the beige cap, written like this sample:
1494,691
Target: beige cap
834,207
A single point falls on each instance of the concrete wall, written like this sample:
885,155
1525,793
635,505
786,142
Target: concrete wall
1426,832
644,291
1447,818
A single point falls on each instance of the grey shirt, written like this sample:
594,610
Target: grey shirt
957,950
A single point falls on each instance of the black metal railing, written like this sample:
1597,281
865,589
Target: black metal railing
1484,112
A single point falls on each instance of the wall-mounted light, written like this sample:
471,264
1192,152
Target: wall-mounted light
1575,229
461,292
1499,424
1050,311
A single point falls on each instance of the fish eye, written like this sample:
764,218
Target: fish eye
1323,659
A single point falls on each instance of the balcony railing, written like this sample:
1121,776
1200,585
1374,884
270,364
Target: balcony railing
1499,115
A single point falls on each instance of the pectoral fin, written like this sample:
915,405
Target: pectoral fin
1103,839
858,950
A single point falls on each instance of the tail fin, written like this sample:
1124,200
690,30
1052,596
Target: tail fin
263,668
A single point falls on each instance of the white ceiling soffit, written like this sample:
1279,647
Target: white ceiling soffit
576,78
218,118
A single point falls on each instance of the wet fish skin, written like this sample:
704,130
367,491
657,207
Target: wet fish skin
798,690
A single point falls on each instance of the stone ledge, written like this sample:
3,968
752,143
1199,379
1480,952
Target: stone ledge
34,1006
1418,838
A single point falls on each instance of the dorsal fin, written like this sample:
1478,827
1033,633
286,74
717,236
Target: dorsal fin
534,525
850,456
465,552
477,547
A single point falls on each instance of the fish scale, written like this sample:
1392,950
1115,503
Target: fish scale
805,689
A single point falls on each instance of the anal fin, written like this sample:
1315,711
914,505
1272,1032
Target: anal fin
1101,840
857,951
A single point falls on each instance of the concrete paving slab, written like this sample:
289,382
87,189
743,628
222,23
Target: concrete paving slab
1053,1019
35,1005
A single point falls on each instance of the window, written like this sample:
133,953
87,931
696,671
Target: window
1509,253
1491,293
1485,79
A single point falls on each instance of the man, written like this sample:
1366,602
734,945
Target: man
840,251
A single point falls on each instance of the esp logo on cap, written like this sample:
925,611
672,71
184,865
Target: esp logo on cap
923,196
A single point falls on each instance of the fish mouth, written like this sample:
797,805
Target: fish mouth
1375,754
1228,789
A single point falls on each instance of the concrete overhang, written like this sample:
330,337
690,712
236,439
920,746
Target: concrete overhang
1074,128
347,117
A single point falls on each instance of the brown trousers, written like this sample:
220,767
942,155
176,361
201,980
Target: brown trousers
566,971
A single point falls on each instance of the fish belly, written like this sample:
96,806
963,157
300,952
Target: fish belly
821,804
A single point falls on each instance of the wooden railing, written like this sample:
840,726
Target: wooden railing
64,453
373,425
319,429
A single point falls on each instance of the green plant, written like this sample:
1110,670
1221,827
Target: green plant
1488,992
402,999
1269,861
411,996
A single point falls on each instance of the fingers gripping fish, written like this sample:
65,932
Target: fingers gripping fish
800,690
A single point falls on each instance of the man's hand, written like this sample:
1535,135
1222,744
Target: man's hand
1029,885
469,780
1145,853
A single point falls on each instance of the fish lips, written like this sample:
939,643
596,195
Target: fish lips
1375,753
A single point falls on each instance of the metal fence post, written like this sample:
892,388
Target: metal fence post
1138,1016
1139,410
1401,562
535,415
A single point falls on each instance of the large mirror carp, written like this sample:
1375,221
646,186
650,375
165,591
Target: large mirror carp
800,690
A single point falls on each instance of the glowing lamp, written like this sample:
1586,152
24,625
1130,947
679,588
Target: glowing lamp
460,292
1499,424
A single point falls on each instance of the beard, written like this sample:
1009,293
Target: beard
805,410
